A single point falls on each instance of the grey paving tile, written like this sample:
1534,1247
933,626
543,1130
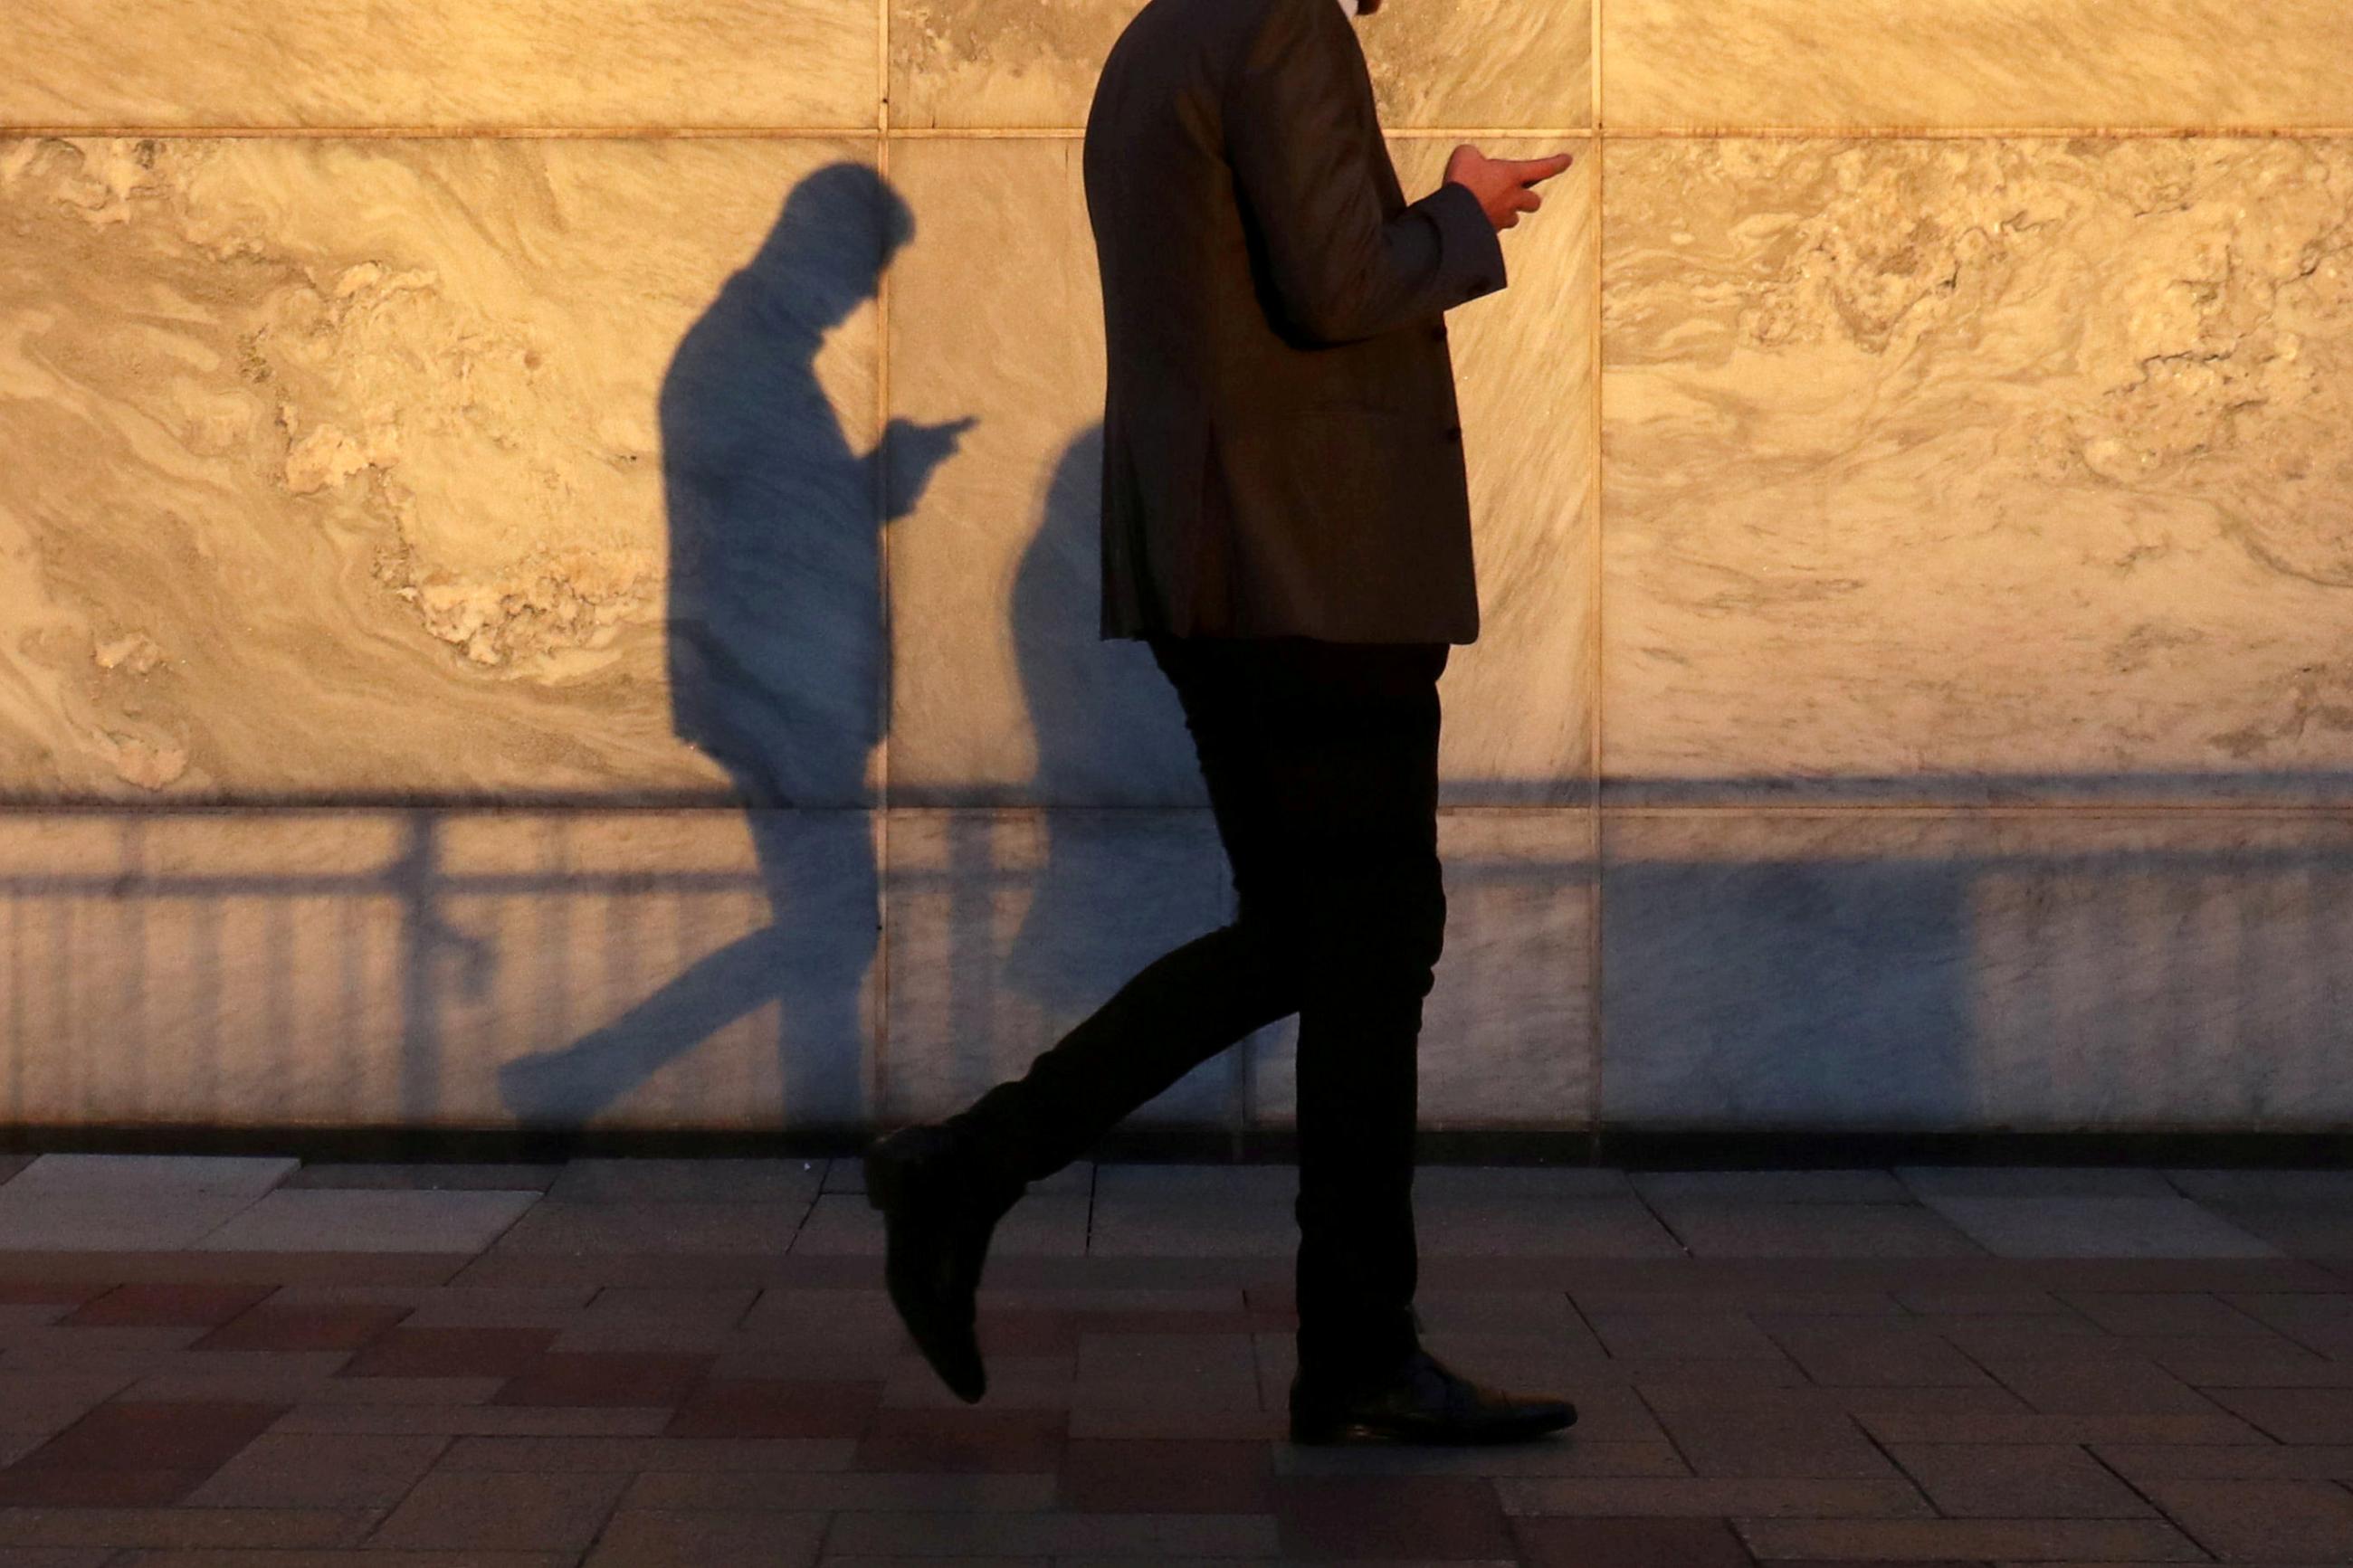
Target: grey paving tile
2098,1226
450,1512
664,1538
371,1220
430,1176
1481,1183
1857,1186
128,1203
2265,1186
1035,1227
633,1228
1717,1229
2034,1182
1565,1228
688,1180
1057,1534
314,1471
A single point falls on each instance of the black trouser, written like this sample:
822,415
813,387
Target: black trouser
1322,765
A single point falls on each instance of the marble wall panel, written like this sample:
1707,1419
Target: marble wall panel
1006,928
1033,63
1508,1030
478,466
422,968
1858,64
1002,690
1896,970
285,63
1979,469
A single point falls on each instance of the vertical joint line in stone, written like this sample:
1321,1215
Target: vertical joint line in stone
878,1077
1597,1031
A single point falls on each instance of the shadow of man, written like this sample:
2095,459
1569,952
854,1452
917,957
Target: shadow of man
1108,732
776,649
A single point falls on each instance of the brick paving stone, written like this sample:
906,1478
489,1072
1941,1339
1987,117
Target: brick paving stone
1796,1444
467,1306
1166,1475
58,1557
50,1292
406,1352
2249,1521
1698,1335
1578,1456
2050,1480
1390,1516
1915,1540
1198,1361
2038,1426
839,1490
2137,1462
2292,1415
247,1531
187,1304
630,1455
962,1440
271,1327
1964,1299
1695,1394
761,1409
507,1512
113,1487
310,1471
299,1385
1856,1187
625,1304
1158,1535
1711,1496
1161,1421
1042,1383
364,1558
653,1539
2164,1312
478,1420
148,1437
2098,1226
1871,1352
1604,1542
605,1380
43,1403
1008,1333
2104,1388
1566,1227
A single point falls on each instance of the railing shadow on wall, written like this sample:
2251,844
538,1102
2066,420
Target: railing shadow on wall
648,959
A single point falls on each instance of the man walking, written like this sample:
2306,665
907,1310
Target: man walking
1286,524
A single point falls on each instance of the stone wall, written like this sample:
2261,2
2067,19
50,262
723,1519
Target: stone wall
470,653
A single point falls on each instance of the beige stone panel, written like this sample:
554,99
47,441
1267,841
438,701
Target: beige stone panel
1033,63
1007,928
1977,469
1508,1029
344,466
1896,63
685,969
1893,969
606,63
1003,690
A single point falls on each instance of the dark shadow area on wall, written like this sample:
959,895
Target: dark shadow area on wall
775,652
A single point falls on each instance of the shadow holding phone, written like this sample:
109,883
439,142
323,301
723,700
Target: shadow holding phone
776,648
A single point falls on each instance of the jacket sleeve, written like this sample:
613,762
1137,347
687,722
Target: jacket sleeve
1301,171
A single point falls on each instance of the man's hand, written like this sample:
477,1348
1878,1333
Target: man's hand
1502,183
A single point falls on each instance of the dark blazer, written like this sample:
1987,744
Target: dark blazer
1281,450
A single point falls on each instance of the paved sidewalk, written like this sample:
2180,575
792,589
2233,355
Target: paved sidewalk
633,1363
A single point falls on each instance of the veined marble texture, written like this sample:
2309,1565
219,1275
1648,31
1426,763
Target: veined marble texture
1002,690
608,63
426,968
1891,969
1857,64
1979,469
1033,63
486,467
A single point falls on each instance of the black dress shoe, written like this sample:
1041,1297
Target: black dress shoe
1421,1402
937,1217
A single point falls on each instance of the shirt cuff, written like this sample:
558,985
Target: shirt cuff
1470,249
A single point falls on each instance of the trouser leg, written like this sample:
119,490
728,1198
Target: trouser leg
1185,1006
1355,762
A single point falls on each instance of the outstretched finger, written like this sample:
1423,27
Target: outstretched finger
1528,171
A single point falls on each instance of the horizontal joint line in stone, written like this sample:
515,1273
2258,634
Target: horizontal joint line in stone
1066,132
